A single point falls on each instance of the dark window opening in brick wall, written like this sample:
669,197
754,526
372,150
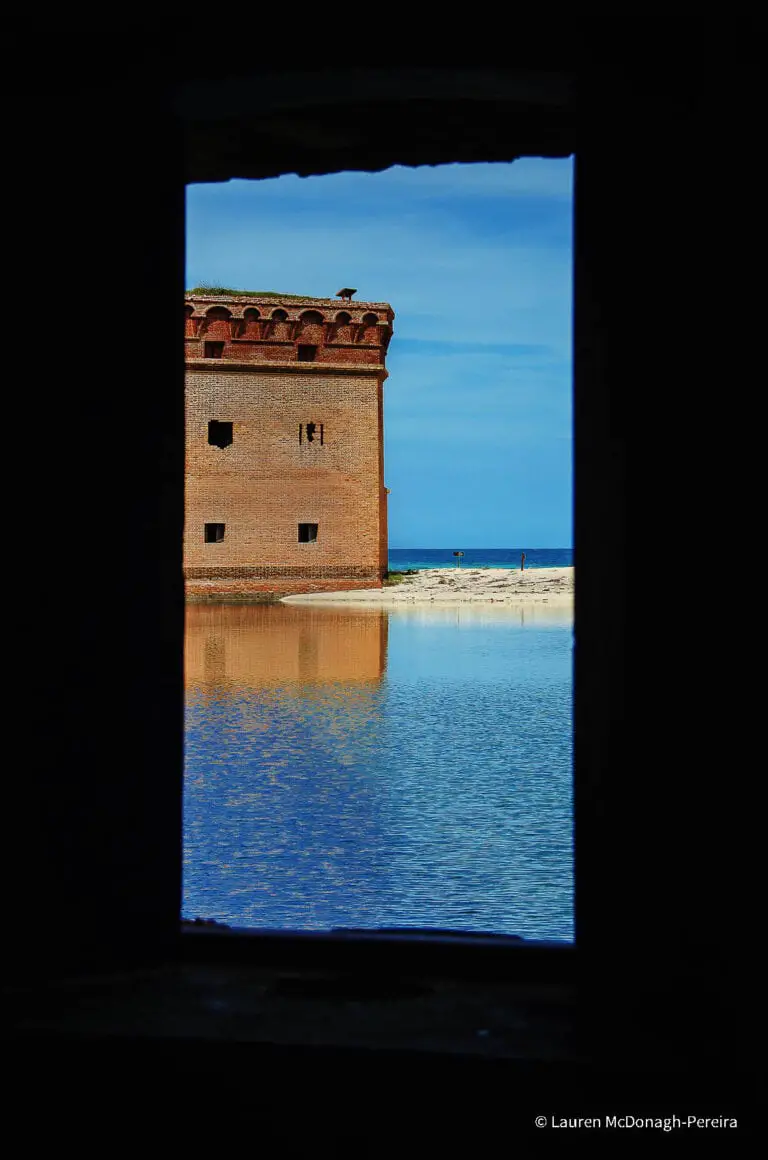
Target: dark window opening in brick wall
213,350
307,353
307,533
219,434
214,533
312,432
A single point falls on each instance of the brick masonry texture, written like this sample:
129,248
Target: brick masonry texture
272,477
241,591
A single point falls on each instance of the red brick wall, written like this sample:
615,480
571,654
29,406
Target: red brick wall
383,493
267,481
250,350
201,591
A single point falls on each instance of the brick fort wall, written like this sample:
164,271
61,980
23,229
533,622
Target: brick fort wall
295,391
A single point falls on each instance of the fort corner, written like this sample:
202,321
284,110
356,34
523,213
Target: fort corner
284,445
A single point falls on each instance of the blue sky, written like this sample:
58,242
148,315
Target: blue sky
476,263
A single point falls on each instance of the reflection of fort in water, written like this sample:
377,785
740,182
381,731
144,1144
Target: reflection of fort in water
254,646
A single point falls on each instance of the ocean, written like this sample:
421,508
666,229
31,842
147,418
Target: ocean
401,559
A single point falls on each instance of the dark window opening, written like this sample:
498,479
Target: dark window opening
307,533
311,431
219,434
214,533
213,350
307,353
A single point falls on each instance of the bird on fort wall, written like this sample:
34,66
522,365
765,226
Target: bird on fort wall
346,293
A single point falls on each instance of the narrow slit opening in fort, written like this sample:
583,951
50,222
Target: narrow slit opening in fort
378,656
312,432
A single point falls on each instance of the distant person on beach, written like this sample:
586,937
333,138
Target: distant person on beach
522,562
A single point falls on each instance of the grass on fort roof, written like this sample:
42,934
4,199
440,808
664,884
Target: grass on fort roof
221,291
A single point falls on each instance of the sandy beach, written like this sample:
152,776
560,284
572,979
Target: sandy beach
451,586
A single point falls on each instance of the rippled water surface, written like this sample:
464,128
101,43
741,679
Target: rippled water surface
364,768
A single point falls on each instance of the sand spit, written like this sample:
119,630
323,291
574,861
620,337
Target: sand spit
450,586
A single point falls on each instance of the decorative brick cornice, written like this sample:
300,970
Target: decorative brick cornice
354,330
328,307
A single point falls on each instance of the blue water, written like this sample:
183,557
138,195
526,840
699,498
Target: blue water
362,768
402,558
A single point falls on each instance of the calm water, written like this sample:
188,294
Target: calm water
363,768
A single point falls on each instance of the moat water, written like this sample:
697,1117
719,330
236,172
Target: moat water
366,768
